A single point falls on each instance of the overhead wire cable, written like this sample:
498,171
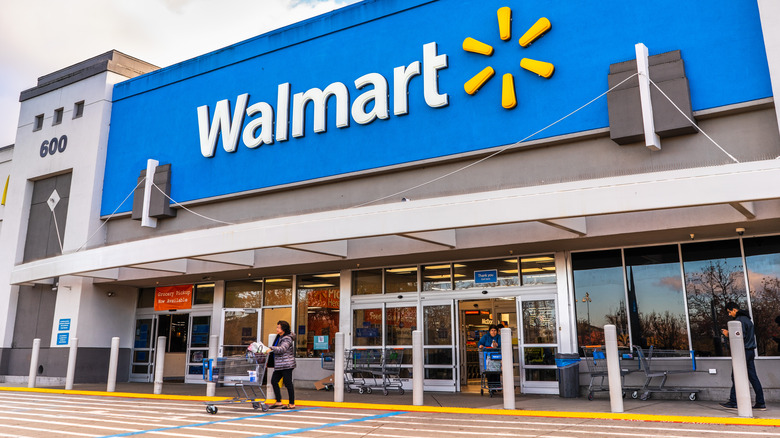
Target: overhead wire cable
112,214
185,208
505,148
692,122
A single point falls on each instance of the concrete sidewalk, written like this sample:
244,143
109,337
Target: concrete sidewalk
539,405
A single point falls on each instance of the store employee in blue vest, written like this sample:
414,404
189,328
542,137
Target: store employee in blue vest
491,339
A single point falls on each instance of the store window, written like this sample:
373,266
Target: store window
401,279
713,277
145,297
538,270
367,327
278,291
762,256
368,282
656,310
486,273
318,313
438,277
204,294
599,293
243,294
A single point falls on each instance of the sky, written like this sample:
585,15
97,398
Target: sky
38,37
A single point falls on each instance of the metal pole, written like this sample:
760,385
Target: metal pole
613,369
211,387
159,364
112,363
739,369
507,369
418,372
36,348
270,388
71,373
338,369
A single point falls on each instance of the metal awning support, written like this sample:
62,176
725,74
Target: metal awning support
747,209
652,141
576,225
334,249
443,237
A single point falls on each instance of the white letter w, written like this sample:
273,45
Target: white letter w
230,131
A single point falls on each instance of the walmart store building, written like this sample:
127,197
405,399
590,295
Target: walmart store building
439,165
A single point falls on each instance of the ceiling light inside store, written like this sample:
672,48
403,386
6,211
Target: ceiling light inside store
537,259
526,270
306,286
396,270
511,260
277,280
335,274
509,271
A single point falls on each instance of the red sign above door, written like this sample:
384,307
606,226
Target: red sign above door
173,297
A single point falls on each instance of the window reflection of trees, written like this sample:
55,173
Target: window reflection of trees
709,289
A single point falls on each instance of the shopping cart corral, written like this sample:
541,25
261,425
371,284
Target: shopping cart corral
662,364
244,373
596,360
368,369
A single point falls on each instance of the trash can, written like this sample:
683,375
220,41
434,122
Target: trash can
568,374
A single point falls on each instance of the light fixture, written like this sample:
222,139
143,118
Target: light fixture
335,274
740,231
110,293
537,259
405,199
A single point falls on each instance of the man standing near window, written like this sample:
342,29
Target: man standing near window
748,331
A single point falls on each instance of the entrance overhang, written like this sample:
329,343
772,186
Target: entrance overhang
565,207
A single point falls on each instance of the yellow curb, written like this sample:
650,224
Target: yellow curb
473,411
116,394
553,414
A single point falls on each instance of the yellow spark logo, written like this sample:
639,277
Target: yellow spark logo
544,69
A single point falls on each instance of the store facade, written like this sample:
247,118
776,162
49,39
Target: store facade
364,172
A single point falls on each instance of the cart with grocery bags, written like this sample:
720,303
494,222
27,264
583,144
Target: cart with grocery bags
245,373
490,370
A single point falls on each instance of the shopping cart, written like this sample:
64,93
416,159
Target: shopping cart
391,370
490,369
366,373
243,373
596,360
664,363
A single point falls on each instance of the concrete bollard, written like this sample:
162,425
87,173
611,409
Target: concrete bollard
507,369
71,373
338,369
36,349
159,364
739,369
112,364
418,368
211,387
613,369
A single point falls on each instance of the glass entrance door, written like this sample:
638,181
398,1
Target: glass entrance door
198,346
240,329
538,343
142,364
439,346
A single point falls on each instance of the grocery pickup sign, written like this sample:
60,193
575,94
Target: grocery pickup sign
173,297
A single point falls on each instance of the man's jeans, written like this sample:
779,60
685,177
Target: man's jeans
750,356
